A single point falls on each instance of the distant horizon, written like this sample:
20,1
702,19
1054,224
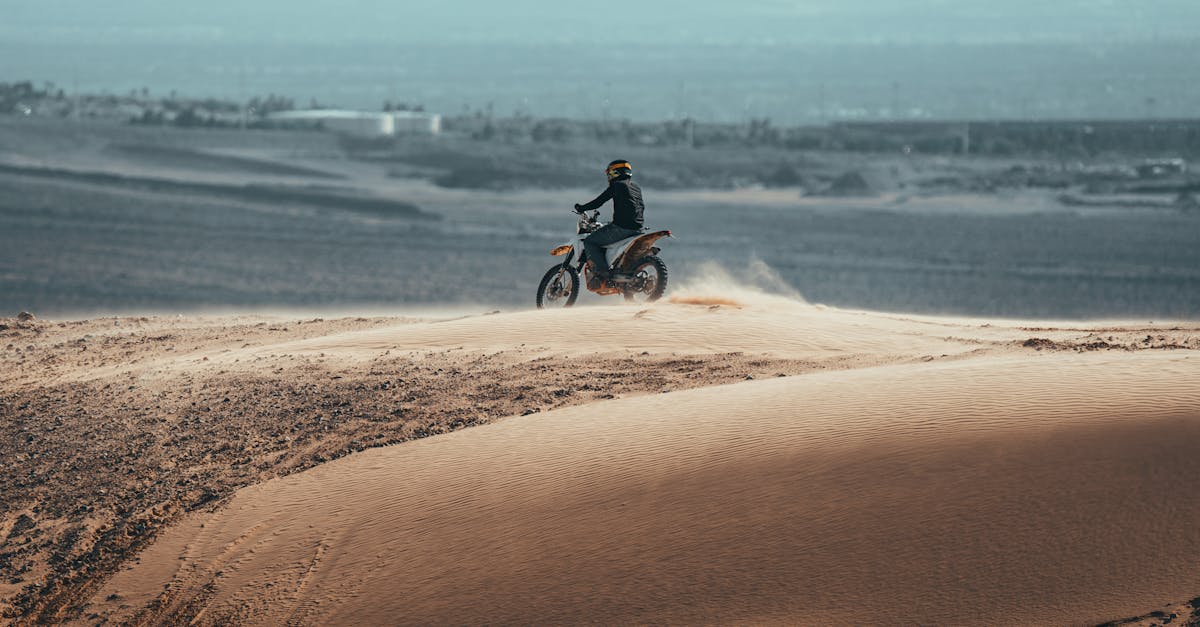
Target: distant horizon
791,84
793,61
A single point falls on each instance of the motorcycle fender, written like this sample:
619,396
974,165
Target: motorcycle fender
641,247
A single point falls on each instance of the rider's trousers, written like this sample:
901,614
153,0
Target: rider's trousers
608,234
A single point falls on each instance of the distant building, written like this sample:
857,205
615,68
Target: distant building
364,123
416,123
1160,168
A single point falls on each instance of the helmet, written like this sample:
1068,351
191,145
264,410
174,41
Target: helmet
617,169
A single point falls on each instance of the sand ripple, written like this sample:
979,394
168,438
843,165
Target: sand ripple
1044,489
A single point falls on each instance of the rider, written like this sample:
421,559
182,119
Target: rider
627,214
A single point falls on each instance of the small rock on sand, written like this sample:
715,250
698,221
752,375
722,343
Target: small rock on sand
25,316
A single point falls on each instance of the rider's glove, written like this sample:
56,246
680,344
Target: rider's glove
578,208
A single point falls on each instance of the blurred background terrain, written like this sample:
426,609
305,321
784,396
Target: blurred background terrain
1025,160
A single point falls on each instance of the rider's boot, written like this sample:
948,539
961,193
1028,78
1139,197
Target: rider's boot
596,276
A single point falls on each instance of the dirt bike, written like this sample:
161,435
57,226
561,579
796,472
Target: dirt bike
637,272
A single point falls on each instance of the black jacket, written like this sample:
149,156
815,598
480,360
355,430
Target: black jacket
627,203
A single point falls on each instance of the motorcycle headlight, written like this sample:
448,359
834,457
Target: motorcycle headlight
561,250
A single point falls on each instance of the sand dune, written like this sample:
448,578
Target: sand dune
1013,482
189,160
748,322
798,331
323,198
753,324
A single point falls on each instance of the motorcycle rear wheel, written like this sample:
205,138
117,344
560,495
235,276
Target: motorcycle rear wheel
649,280
559,287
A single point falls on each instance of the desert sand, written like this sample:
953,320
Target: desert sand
742,458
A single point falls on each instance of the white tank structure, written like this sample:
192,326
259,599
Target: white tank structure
416,123
363,123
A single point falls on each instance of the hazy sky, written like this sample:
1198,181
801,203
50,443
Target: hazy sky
593,22
653,59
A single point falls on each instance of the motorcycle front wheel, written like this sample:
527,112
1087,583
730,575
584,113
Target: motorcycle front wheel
559,287
649,280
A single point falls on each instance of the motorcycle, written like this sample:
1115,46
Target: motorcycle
637,271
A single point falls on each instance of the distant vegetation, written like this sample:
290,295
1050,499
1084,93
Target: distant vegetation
1053,138
483,152
20,98
480,150
139,107
1050,138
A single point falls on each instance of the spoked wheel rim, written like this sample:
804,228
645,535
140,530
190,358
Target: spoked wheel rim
556,290
559,288
645,283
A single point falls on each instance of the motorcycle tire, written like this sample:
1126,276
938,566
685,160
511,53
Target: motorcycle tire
650,264
547,299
